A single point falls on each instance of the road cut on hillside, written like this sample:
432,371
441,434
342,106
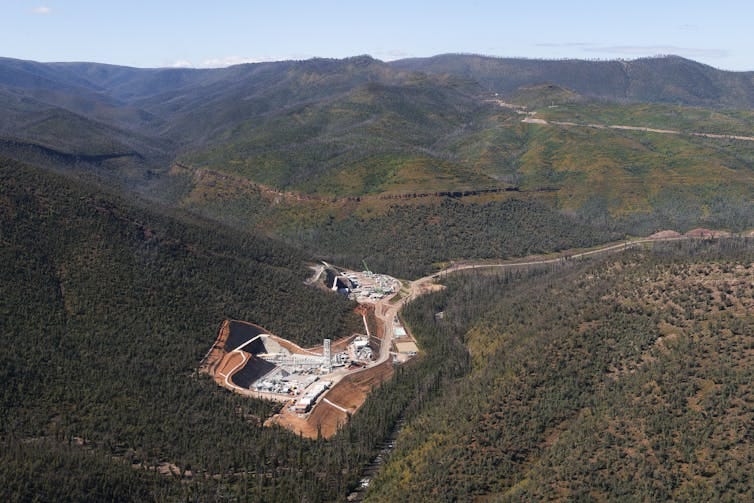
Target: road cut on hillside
351,389
543,122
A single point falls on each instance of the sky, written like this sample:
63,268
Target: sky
164,33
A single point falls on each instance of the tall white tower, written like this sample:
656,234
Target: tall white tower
326,356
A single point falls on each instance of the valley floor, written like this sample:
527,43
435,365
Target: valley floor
349,389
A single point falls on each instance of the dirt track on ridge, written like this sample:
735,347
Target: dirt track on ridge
543,122
347,395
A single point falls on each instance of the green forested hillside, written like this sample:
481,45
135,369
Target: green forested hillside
411,241
730,121
106,309
185,197
549,181
617,180
364,140
627,379
553,384
666,79
362,130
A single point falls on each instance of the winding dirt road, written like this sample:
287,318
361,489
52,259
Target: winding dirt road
422,285
532,120
347,396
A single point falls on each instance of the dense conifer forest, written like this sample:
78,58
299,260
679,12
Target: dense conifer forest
411,241
559,382
106,311
155,203
624,379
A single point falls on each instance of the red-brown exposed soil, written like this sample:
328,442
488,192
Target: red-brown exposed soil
665,235
217,351
353,389
226,365
350,394
325,419
706,233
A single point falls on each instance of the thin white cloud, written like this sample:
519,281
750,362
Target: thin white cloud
565,44
234,60
222,62
651,50
391,54
41,10
639,50
181,63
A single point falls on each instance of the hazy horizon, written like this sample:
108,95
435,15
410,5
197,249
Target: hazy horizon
179,34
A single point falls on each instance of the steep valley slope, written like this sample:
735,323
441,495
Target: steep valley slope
304,149
627,378
141,207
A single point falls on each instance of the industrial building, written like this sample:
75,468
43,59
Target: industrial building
339,282
407,347
306,402
273,368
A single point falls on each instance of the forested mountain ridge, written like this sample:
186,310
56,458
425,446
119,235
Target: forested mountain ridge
108,306
112,287
160,115
106,309
625,378
357,138
666,79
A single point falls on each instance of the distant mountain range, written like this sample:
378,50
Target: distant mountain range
668,79
280,136
141,207
90,108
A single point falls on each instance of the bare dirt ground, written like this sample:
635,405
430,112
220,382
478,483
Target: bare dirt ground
216,353
328,415
531,120
295,348
707,233
226,366
665,234
349,393
343,399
